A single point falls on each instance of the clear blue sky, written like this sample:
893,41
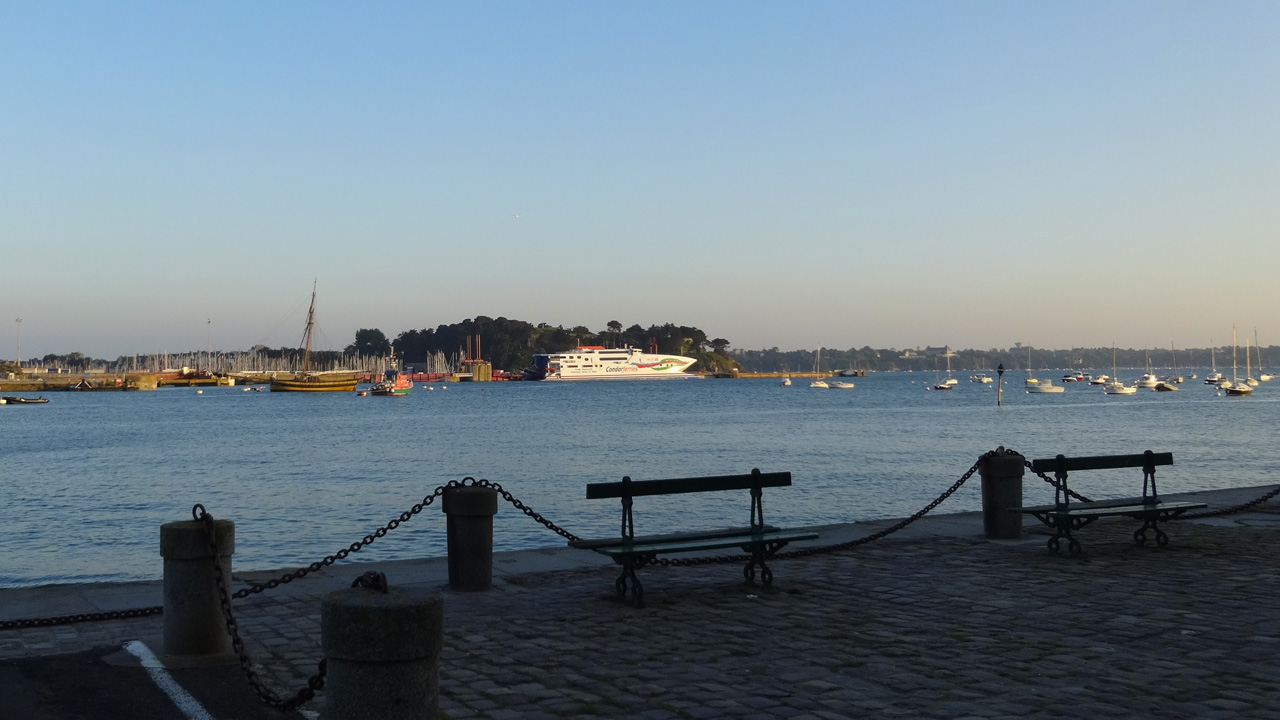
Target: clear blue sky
792,174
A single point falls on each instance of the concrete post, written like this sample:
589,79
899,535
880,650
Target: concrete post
193,622
470,510
1002,494
382,652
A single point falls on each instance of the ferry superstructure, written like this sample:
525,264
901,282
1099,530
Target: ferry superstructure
596,362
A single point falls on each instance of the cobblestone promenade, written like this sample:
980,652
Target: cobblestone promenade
942,627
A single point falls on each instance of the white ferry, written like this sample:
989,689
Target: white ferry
595,362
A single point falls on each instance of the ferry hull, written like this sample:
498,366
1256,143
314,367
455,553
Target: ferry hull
599,363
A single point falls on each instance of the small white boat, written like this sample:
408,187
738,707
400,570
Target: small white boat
1236,388
818,382
786,382
1116,387
840,385
1214,377
1045,386
1099,380
980,378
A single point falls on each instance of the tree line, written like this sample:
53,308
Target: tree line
511,344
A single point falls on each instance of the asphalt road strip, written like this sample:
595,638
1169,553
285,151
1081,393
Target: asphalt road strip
160,676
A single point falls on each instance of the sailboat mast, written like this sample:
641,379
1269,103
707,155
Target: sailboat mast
1233,354
306,336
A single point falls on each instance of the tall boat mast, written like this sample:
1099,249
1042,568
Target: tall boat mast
306,334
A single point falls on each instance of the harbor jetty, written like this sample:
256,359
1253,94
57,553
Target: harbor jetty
935,621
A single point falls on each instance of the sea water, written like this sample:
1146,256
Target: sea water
87,480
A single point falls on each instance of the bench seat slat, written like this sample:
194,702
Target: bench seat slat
1090,509
596,491
673,537
1101,462
623,549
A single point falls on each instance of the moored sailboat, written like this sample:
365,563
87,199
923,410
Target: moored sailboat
1235,388
305,380
1116,387
818,382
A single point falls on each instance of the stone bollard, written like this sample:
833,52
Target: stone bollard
470,510
193,622
1002,494
381,650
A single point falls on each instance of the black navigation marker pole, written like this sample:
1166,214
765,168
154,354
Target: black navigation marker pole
1000,383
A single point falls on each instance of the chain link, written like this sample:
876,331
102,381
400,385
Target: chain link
81,617
268,696
1054,482
353,547
806,552
1228,510
522,507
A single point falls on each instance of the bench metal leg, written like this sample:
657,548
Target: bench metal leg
629,574
758,554
749,572
637,590
1140,535
1063,527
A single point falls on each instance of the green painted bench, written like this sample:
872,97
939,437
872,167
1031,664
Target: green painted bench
757,538
1064,516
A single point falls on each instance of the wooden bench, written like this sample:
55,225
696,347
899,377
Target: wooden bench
629,551
1064,516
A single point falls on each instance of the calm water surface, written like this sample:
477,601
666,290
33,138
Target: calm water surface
87,479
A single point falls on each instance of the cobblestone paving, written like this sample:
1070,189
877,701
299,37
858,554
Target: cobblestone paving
942,628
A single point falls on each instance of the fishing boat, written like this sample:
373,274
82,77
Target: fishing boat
596,362
305,380
786,382
840,385
980,378
394,385
818,382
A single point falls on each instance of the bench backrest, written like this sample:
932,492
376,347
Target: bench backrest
756,481
1147,460
1062,465
672,486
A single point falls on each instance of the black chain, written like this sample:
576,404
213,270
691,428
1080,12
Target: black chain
1054,482
522,507
268,696
353,547
805,552
81,617
1228,510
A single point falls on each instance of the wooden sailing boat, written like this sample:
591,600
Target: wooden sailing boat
305,380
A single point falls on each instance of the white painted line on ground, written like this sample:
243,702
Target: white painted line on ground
180,697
